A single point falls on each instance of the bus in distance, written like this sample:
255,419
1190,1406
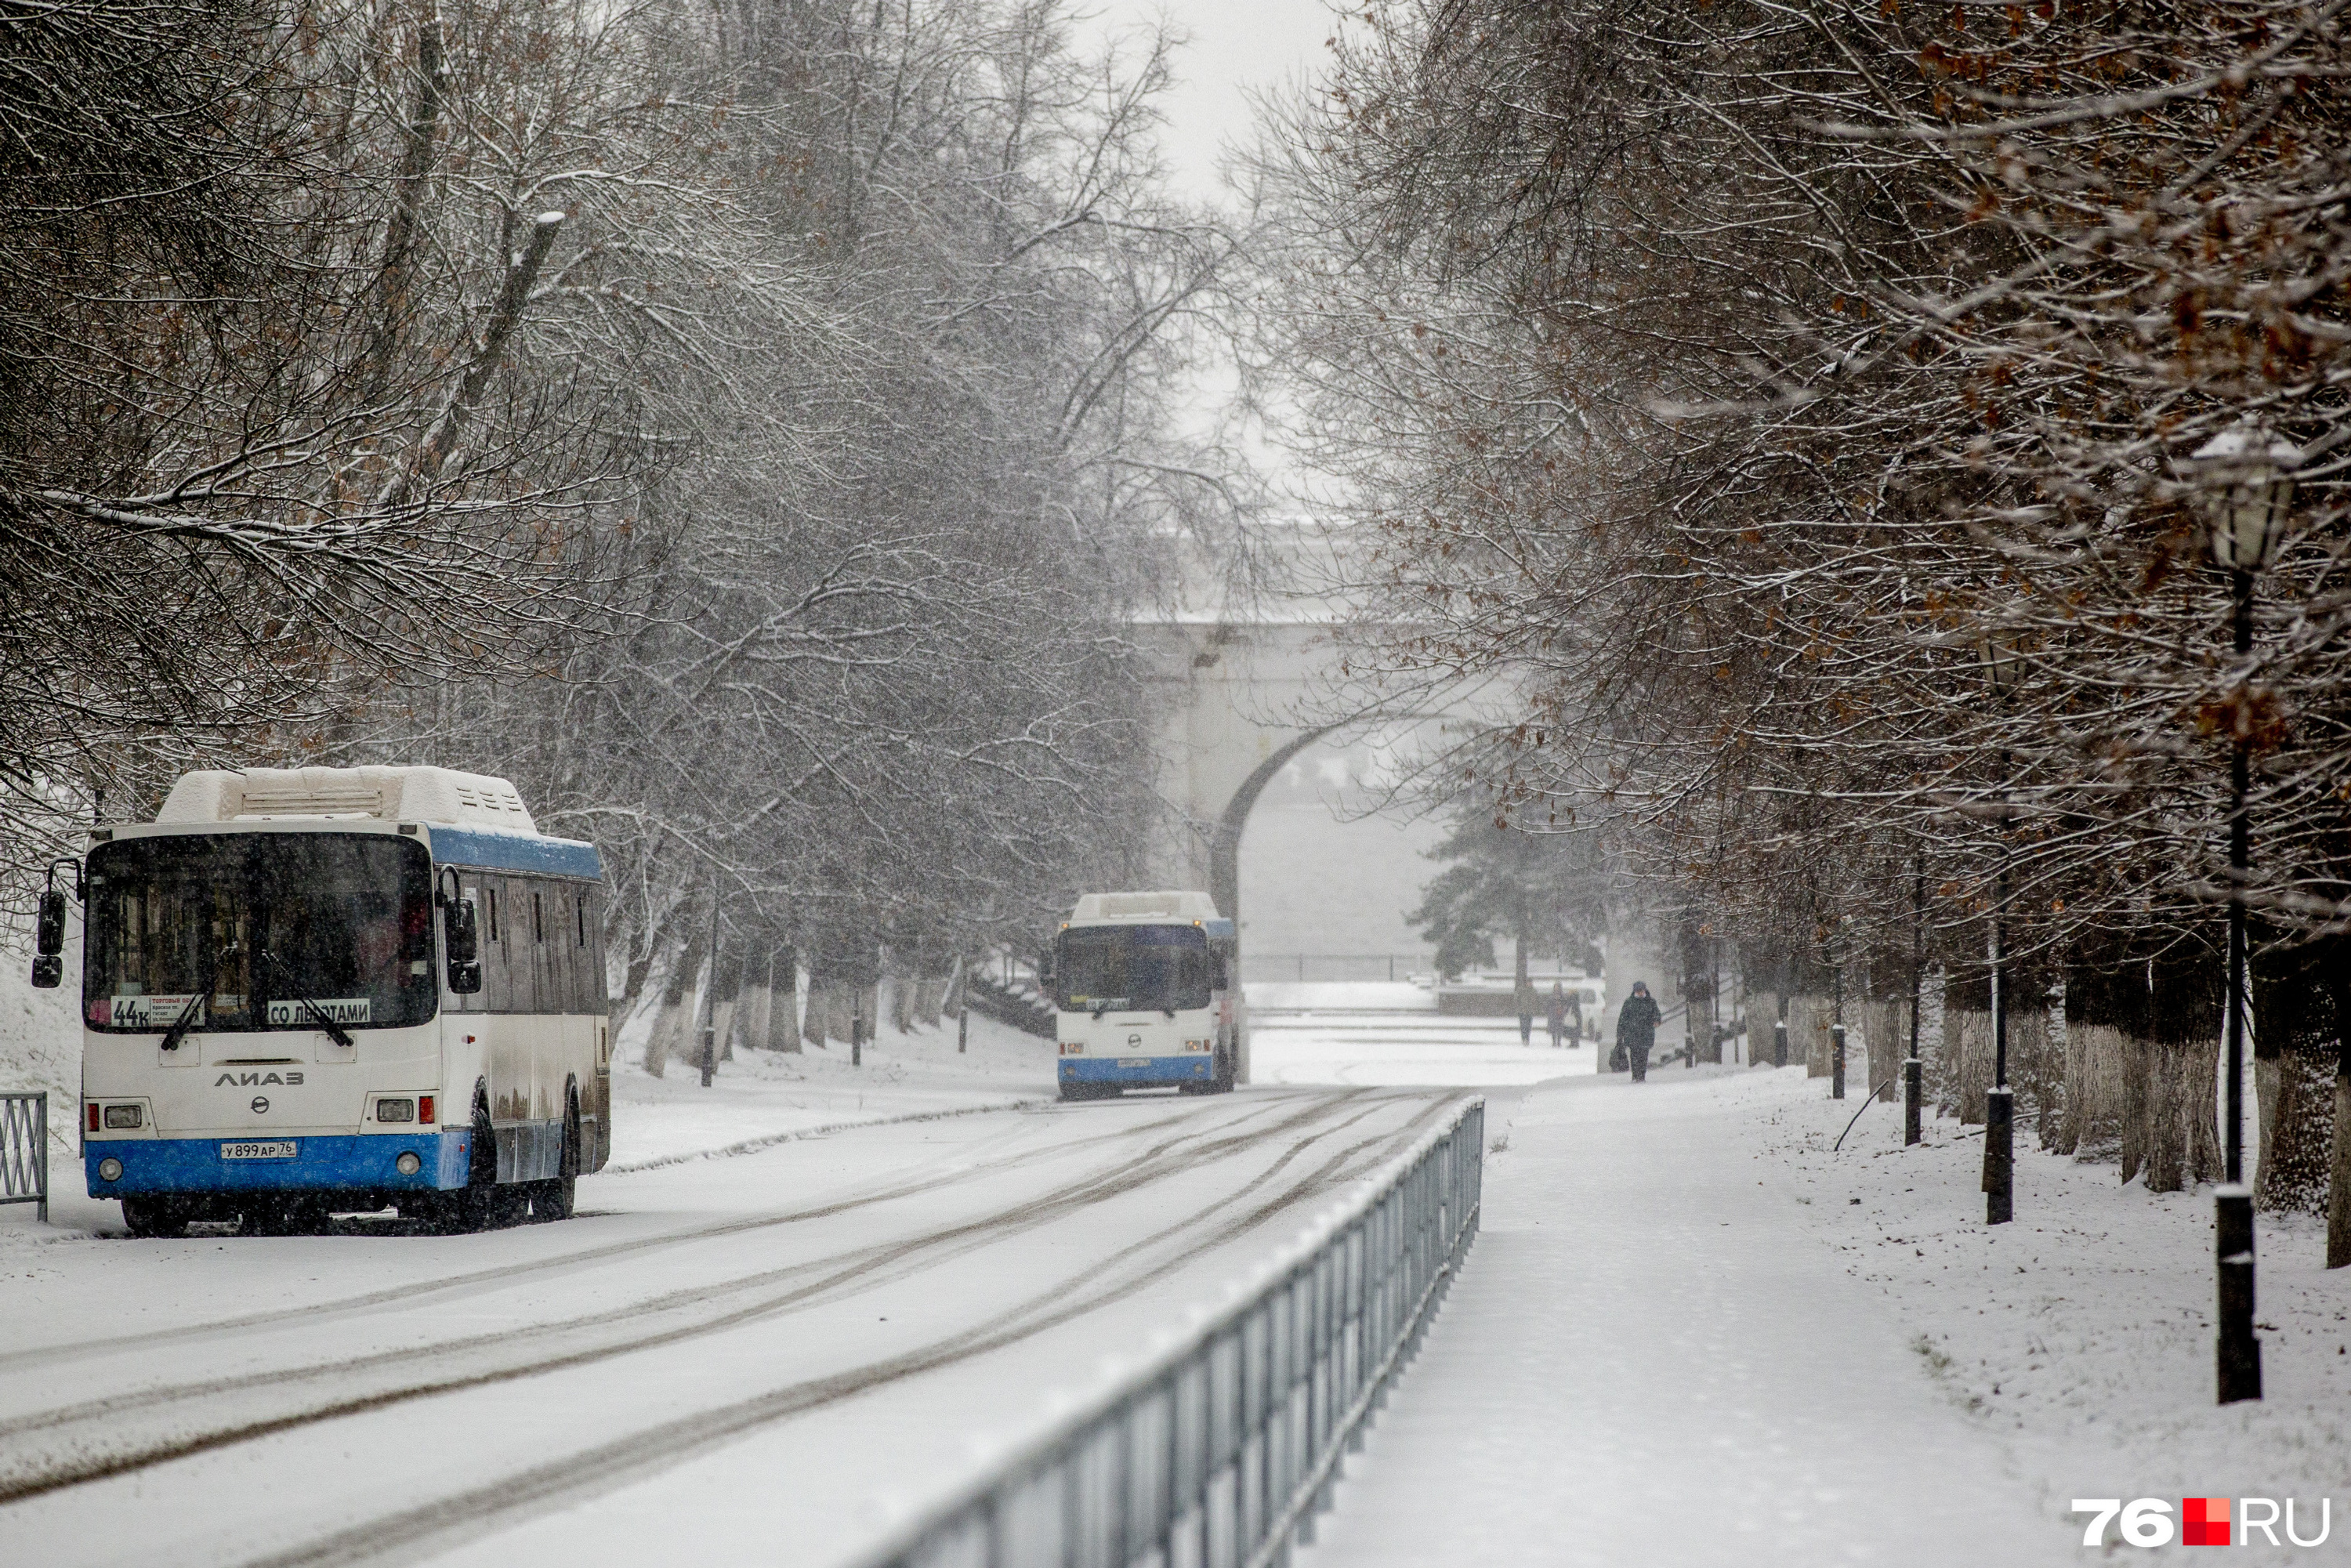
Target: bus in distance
1146,995
317,990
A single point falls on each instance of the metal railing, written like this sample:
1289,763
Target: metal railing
1333,966
25,1151
1219,1452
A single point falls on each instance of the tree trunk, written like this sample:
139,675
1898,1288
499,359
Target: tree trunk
1808,1034
1964,1058
788,1004
2035,1070
838,1010
2182,1141
1763,1012
1886,1034
676,996
2298,1038
2338,1187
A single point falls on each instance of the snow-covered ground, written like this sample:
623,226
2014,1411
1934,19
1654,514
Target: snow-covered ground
1689,1333
759,1357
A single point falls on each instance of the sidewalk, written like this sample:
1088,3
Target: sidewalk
1650,1358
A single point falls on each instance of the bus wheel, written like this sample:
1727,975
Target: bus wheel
151,1217
482,1203
553,1199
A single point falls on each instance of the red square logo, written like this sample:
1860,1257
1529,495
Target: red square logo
2204,1521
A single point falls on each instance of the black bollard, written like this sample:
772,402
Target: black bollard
1913,1077
1779,1044
963,1029
1836,1062
857,1026
2240,1351
2000,1157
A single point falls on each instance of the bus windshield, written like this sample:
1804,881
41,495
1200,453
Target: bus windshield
1132,968
271,929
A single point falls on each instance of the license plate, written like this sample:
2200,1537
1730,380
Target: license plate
271,1151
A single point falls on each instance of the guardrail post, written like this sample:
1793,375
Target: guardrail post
1836,1062
1913,1074
1780,1043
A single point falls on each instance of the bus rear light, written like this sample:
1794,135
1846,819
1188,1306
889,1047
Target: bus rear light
93,1116
400,1110
123,1116
1072,1048
424,1109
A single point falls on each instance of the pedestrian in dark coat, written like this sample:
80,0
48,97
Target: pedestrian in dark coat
1555,1013
1636,1029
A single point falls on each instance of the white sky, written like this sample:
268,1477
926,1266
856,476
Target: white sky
1237,46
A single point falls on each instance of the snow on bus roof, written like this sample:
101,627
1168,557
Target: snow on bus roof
404,794
1143,908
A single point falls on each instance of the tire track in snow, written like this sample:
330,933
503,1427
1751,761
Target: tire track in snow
434,1527
479,1280
98,1450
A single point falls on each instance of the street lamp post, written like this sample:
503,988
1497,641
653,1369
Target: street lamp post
2247,484
2003,667
1913,1069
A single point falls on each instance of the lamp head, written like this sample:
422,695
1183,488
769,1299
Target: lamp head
2003,662
2245,480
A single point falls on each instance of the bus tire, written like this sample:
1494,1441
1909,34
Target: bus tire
147,1218
482,1203
554,1199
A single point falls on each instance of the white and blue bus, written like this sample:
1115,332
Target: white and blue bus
318,991
1146,989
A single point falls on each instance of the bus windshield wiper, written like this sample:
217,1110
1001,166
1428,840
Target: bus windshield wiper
334,1030
196,1004
187,1018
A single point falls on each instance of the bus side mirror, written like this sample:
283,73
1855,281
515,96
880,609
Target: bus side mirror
465,948
49,941
1044,971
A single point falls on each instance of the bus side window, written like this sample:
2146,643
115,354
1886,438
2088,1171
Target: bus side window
554,951
594,904
497,988
529,984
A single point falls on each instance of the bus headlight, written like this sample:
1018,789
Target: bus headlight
122,1116
400,1110
1072,1048
408,1164
110,1169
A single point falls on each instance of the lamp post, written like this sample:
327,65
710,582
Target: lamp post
1913,1069
2003,667
2246,480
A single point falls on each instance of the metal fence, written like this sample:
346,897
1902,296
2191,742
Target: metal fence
1219,1452
25,1151
1332,966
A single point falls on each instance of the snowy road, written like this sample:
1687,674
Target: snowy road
767,1356
1393,1035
